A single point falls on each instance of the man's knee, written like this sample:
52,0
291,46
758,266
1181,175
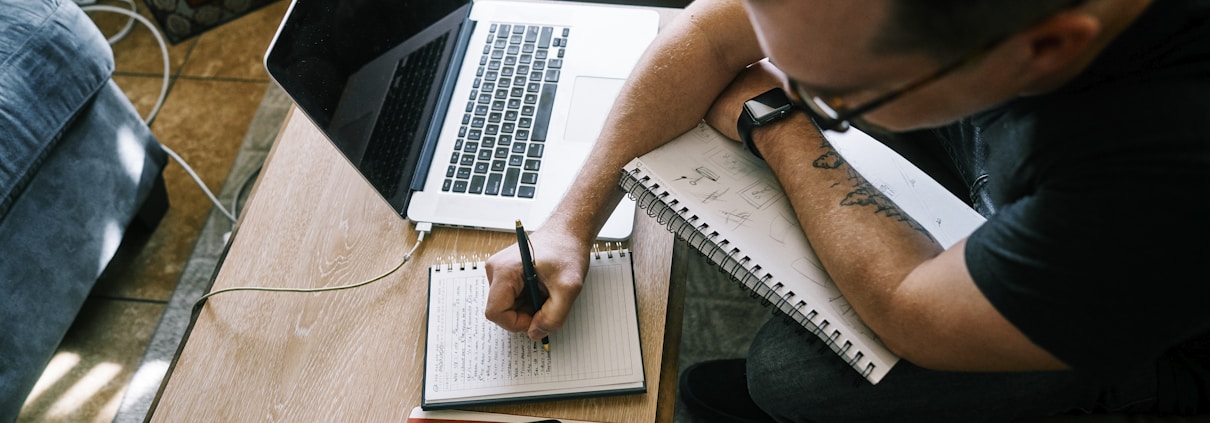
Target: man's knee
793,375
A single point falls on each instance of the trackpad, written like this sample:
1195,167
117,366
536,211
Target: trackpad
590,103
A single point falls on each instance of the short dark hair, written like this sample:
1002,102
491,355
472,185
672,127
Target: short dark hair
946,29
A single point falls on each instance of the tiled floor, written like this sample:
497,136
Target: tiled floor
217,81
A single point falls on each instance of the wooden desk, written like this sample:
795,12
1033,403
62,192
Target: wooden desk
357,355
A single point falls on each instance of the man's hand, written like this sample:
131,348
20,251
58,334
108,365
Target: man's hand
756,79
561,262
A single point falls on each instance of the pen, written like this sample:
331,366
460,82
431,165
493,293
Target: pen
530,274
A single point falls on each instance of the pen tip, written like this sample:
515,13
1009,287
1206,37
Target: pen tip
546,347
518,223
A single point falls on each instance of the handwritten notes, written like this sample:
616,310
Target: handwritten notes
470,359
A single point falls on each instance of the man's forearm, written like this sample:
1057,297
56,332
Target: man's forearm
867,244
670,90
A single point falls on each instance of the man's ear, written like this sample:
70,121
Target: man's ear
1054,47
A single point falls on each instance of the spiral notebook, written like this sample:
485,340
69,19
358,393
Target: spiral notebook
729,206
471,361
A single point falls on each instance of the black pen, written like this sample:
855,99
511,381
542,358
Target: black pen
530,274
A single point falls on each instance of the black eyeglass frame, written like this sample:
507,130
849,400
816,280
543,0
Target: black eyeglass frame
828,118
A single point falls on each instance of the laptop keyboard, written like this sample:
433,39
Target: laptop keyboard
503,134
400,118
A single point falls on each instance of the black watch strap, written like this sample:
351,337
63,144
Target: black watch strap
764,109
744,127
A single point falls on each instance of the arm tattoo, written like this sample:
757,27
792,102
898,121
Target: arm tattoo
864,194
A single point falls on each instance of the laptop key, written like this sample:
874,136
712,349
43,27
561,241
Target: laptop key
459,186
525,191
535,150
476,185
546,102
544,40
509,188
529,178
494,181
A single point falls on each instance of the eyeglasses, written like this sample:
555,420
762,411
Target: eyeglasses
830,113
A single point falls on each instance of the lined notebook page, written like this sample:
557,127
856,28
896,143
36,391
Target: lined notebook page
471,359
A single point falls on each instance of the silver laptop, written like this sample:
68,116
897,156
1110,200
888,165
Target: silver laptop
460,113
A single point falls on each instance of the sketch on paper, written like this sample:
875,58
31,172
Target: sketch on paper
732,164
812,270
761,194
781,227
736,218
702,173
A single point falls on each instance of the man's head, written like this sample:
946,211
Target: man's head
853,52
948,29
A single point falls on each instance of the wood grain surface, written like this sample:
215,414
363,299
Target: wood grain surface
357,355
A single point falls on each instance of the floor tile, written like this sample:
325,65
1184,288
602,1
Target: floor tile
143,91
87,377
138,52
203,121
237,49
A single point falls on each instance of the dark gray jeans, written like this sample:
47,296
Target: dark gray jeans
795,378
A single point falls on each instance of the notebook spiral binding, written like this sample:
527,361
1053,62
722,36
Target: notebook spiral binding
475,261
452,263
688,227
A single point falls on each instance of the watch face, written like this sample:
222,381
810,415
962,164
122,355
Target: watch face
758,109
768,106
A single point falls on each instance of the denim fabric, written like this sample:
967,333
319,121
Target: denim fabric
52,60
795,378
77,164
64,229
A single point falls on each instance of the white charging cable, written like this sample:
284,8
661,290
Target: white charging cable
155,110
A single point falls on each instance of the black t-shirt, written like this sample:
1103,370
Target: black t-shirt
1097,250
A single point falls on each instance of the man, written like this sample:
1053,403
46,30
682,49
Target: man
1075,127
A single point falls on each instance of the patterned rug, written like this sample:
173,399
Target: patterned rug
182,19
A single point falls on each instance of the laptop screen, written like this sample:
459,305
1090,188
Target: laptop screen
342,62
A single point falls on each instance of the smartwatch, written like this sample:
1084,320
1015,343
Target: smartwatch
771,106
